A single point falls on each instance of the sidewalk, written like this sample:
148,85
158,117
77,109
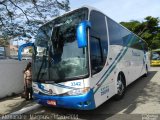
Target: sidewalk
13,104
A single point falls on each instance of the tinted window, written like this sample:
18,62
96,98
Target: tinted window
114,33
136,43
126,36
155,55
145,46
58,57
98,41
96,56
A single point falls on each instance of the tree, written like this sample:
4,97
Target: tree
20,19
149,30
3,42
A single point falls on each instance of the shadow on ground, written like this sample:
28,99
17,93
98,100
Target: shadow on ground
135,94
12,104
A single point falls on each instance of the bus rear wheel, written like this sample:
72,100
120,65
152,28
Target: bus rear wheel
146,72
120,87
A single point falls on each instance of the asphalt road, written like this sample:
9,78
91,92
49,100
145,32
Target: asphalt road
141,102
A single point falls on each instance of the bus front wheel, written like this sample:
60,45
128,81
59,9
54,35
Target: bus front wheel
120,87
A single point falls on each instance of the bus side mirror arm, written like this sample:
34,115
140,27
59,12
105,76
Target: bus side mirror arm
21,48
82,33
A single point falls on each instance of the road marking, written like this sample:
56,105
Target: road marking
26,109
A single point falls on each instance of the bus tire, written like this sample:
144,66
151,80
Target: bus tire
121,86
146,72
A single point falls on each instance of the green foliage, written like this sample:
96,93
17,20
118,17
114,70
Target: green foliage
133,25
3,42
149,30
30,50
156,42
20,19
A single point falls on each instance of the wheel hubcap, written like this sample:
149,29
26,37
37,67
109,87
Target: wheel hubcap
120,85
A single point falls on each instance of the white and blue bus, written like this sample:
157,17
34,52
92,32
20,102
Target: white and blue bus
83,58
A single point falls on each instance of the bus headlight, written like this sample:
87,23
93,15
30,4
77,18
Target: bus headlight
79,91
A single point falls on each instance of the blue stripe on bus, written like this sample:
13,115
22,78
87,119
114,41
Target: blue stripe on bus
41,86
106,75
64,86
111,68
129,37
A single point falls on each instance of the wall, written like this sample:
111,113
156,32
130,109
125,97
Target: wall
11,77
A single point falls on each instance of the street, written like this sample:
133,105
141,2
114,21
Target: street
142,100
142,97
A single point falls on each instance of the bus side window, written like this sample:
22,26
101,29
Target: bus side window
98,41
114,29
96,55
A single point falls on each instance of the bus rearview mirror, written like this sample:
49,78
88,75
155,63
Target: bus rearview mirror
21,48
82,33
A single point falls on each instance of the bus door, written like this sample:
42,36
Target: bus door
98,54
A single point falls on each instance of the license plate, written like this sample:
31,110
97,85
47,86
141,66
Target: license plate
51,102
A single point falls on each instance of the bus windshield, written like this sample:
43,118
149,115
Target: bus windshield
57,57
156,55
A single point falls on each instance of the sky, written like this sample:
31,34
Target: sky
122,10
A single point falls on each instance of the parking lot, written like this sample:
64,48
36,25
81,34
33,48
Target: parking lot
142,98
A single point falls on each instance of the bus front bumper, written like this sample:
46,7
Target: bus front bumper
82,102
